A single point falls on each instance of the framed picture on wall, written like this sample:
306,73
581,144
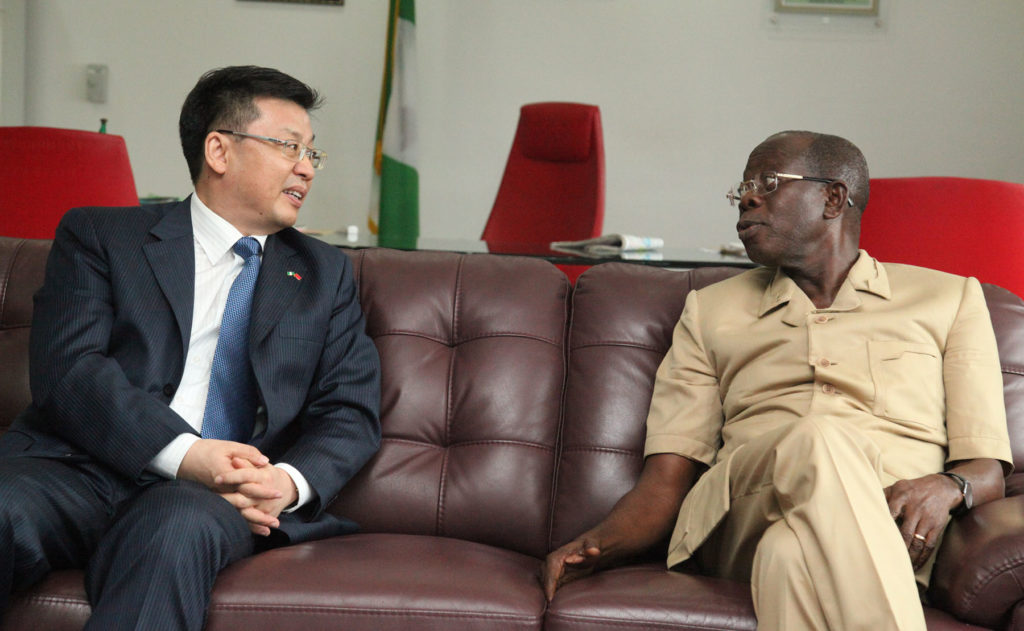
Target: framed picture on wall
850,7
337,2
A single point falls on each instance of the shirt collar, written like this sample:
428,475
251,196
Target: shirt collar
867,275
214,234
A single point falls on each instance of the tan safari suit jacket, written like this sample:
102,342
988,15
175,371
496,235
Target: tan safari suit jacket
905,354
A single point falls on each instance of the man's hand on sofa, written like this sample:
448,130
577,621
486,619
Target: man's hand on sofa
573,560
641,519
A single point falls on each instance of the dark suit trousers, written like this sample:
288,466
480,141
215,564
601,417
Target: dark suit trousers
150,552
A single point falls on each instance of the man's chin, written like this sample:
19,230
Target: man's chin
761,257
753,252
284,218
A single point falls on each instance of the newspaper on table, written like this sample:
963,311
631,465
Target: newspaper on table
611,245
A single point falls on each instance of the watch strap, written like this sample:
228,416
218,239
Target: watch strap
964,485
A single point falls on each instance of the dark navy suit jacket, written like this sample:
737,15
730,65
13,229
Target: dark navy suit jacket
112,324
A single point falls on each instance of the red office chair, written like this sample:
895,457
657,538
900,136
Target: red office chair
959,225
553,187
44,171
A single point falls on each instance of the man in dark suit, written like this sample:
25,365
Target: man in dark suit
118,467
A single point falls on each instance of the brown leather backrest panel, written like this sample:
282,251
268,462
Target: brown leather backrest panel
22,264
622,321
472,359
1007,312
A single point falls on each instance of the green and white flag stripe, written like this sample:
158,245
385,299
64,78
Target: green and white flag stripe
394,206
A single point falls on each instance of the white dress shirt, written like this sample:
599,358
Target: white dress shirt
216,267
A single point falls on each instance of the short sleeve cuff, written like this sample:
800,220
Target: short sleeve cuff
681,446
974,447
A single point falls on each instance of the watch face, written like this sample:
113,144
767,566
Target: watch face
968,496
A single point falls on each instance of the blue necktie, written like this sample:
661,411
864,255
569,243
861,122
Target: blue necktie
231,402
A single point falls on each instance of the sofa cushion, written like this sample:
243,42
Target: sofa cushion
379,582
374,582
57,603
644,597
649,596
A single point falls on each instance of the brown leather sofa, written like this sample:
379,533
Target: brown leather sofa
513,415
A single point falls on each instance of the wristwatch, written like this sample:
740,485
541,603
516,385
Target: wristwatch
965,489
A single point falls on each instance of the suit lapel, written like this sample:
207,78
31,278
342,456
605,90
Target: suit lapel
281,274
172,260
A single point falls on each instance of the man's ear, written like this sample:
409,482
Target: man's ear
215,152
835,201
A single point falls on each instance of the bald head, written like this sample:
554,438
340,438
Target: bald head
827,156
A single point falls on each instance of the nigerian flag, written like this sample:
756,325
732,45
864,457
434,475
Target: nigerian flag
395,206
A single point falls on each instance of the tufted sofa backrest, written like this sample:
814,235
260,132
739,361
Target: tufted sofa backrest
511,416
473,364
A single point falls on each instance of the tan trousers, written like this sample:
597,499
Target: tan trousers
808,525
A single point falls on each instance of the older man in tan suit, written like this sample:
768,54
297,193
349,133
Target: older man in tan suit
839,409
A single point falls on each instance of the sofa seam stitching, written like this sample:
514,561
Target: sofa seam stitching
629,623
328,609
442,483
470,443
627,344
60,600
609,450
8,273
997,571
568,316
453,343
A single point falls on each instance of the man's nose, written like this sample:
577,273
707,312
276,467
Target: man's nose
749,200
304,168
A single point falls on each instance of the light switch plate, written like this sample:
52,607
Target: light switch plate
96,82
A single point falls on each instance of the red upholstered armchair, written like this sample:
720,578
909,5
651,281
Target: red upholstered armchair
44,171
959,225
553,187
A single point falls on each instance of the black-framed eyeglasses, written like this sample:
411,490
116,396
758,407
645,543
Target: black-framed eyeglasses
767,182
291,149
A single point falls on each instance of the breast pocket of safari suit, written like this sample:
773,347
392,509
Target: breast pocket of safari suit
908,382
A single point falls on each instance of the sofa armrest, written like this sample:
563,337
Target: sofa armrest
979,572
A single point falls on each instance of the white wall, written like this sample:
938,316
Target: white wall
12,58
686,88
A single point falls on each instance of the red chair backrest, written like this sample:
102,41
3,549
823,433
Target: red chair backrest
553,186
45,171
959,225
